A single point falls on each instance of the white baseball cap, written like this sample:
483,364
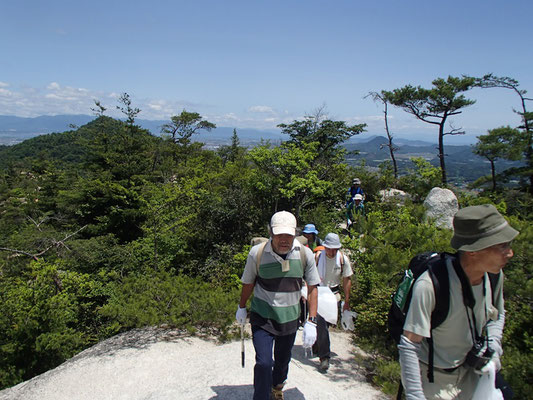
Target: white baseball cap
283,222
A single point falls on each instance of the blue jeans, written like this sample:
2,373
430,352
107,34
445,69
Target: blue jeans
268,372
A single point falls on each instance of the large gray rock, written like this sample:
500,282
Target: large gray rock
441,205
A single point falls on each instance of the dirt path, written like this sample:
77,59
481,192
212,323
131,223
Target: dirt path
156,364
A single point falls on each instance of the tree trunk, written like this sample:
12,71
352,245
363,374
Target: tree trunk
441,150
391,148
493,171
529,151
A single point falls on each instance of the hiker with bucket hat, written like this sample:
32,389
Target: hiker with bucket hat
468,343
334,269
311,234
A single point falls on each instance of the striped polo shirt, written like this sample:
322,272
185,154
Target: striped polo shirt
276,302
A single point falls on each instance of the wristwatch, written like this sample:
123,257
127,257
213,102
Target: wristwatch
313,320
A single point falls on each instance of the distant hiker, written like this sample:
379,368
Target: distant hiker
355,189
468,342
358,206
354,209
275,271
334,269
354,204
311,234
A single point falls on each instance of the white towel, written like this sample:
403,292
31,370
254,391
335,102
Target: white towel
322,265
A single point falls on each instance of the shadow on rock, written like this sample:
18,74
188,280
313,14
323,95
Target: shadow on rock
246,392
340,369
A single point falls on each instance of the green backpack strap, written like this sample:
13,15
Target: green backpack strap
303,257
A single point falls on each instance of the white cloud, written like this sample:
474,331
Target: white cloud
53,86
230,116
261,109
55,98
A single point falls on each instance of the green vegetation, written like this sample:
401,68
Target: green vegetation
107,228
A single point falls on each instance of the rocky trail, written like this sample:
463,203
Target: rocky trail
163,364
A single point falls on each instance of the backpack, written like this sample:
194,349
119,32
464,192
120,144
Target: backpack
435,263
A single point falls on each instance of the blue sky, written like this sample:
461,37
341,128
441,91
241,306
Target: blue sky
255,64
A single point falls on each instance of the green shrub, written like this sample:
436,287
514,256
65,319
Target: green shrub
48,315
158,297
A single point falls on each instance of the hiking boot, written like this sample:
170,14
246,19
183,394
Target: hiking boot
324,364
277,393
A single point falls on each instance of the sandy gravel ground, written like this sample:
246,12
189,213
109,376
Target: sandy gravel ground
162,364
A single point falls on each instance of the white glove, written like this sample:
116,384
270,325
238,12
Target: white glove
495,361
347,320
241,315
309,336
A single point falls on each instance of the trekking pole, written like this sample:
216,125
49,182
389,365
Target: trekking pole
242,345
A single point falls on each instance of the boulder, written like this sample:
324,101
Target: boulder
441,205
396,195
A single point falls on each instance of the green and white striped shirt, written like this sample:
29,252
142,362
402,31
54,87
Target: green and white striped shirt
276,303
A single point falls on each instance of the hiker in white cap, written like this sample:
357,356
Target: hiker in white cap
275,271
334,269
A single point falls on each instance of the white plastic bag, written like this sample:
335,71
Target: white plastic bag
347,320
327,304
486,388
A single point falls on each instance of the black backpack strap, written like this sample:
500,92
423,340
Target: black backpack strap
493,279
438,272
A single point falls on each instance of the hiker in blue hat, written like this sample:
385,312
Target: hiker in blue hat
311,234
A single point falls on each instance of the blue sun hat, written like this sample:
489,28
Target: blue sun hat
310,228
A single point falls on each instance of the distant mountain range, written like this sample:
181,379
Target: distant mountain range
461,163
16,129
